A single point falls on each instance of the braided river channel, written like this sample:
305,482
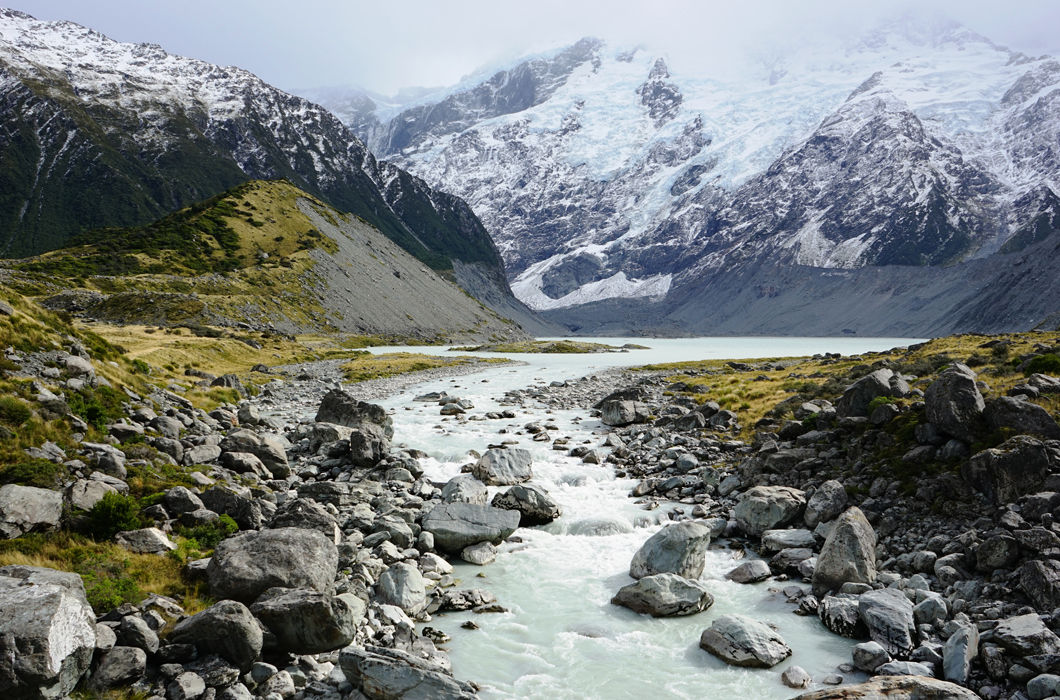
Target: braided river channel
561,636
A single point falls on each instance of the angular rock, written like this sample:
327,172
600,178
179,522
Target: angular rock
26,509
1021,415
246,565
341,408
1025,635
369,445
533,503
848,554
226,629
403,585
795,677
997,552
839,613
47,633
764,508
888,616
827,502
458,525
953,403
618,413
465,488
857,397
750,572
307,514
1040,580
1014,468
85,493
309,622
120,666
149,540
241,508
181,500
186,686
388,673
664,595
868,656
958,652
776,540
894,688
267,448
678,548
503,467
740,641
479,554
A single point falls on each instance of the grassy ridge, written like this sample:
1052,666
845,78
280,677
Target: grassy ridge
764,392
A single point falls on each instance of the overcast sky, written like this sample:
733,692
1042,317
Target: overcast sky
384,46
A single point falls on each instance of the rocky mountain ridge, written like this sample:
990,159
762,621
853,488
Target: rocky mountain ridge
147,132
912,146
263,255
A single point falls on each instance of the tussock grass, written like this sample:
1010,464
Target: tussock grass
112,574
762,392
368,366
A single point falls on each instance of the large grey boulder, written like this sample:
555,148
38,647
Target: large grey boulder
894,688
764,508
459,525
618,413
28,509
740,641
309,515
1025,635
839,614
47,633
534,505
341,408
180,499
267,448
953,404
149,540
1040,580
848,554
239,506
389,674
403,585
827,502
1019,414
888,616
369,445
226,629
120,666
664,595
678,548
857,397
958,652
85,493
309,622
246,565
465,488
1014,468
503,467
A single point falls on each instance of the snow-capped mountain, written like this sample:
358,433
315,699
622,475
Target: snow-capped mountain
605,173
94,133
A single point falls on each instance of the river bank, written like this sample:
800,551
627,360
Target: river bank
387,524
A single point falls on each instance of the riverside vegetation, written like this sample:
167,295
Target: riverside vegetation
192,542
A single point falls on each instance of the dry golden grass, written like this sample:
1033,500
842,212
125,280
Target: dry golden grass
111,573
367,366
755,394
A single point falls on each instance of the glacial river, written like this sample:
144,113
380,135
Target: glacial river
562,638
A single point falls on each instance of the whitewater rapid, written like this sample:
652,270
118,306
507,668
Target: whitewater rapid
561,637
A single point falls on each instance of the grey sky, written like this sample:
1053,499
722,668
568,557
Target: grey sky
387,45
